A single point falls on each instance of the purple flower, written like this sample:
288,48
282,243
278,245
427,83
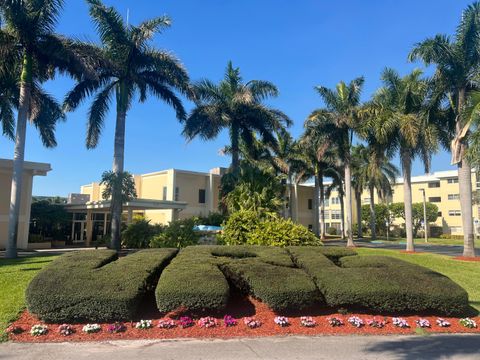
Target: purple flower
186,321
116,327
229,320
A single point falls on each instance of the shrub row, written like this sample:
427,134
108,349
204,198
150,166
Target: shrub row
379,283
92,286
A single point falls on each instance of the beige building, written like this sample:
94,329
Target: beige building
172,194
31,169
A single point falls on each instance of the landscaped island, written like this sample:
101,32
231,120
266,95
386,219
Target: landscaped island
95,286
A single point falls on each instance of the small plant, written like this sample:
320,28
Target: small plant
229,321
91,328
307,321
423,323
166,324
251,322
356,321
281,321
65,330
186,321
12,329
38,330
116,327
334,321
442,322
207,322
143,324
468,323
376,323
400,322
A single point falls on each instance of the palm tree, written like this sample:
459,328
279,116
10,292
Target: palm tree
336,172
132,67
236,106
456,75
34,53
401,123
338,121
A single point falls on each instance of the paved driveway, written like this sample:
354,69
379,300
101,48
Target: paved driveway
457,347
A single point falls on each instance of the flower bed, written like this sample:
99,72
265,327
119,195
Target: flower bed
253,319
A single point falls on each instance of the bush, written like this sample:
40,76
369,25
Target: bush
381,283
92,286
214,219
451,236
138,234
178,233
332,231
249,227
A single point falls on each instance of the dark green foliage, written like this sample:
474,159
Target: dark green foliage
139,233
92,286
379,283
49,219
213,219
238,226
178,233
398,211
332,230
382,215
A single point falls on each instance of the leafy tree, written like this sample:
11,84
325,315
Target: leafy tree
338,121
178,233
456,76
124,181
139,233
237,106
49,219
132,67
398,211
382,216
33,53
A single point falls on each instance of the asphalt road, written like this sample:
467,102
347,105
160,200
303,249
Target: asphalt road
458,347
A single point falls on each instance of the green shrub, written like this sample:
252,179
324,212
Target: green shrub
380,283
213,218
178,233
92,286
238,226
138,234
332,231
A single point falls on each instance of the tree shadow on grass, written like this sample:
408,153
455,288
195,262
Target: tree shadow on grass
431,347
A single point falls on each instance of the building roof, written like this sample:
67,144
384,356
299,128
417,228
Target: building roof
36,167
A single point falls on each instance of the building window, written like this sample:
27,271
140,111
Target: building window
478,184
335,200
452,180
336,215
439,214
310,204
455,229
435,184
435,199
164,193
366,200
326,215
201,196
310,227
326,202
454,213
177,193
453,196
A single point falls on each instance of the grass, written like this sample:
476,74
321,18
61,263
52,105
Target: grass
14,277
464,273
431,241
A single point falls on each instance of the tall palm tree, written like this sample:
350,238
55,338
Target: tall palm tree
237,106
132,67
456,75
339,121
28,42
337,172
402,124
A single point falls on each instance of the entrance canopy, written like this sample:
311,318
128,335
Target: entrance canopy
135,204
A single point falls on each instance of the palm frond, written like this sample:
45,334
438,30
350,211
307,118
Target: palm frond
96,114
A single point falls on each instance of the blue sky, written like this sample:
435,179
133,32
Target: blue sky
294,44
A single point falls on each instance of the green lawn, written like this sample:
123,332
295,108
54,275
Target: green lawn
14,278
466,274
431,241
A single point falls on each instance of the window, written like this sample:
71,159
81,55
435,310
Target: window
335,200
201,196
177,193
439,214
452,180
310,227
435,199
336,215
310,204
164,193
326,215
435,184
455,229
366,200
453,196
454,213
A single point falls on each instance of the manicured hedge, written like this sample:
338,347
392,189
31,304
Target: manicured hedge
92,286
379,283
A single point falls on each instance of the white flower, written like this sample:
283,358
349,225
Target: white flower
91,328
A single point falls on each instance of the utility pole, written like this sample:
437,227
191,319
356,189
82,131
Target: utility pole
425,224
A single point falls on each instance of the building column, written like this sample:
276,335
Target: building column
129,216
73,227
210,193
89,228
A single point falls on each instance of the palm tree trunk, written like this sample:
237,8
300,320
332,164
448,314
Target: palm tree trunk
407,199
348,197
358,203
465,190
18,157
234,135
373,217
322,204
342,216
295,192
316,206
118,167
290,197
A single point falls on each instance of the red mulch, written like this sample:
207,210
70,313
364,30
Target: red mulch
240,309
466,258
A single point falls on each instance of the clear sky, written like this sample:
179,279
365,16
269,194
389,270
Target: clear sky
294,44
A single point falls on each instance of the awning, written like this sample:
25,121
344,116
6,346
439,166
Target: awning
135,204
